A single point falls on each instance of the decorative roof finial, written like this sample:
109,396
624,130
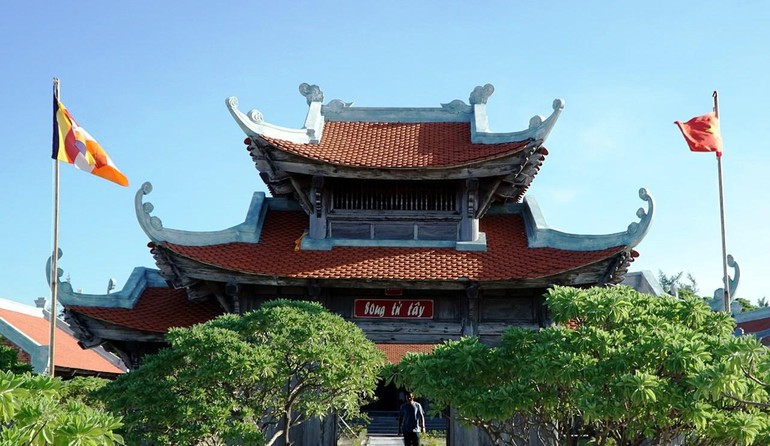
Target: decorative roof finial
480,94
63,286
312,93
732,283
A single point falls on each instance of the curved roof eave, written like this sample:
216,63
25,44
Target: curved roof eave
485,166
248,231
540,235
253,123
140,279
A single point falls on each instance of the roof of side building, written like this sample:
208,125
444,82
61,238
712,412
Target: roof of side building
28,326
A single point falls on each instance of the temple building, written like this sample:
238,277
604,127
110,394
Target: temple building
412,223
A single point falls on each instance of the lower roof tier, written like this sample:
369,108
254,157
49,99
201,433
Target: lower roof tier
508,257
200,273
156,310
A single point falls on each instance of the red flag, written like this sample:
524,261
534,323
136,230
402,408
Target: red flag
702,133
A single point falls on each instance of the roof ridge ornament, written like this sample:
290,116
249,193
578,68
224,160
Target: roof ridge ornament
538,130
718,303
337,105
312,93
139,279
480,94
456,106
246,232
63,287
635,227
253,124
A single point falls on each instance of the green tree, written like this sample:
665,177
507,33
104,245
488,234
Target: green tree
666,282
84,389
247,379
746,305
34,413
619,368
9,360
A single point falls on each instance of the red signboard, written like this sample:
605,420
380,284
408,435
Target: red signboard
393,308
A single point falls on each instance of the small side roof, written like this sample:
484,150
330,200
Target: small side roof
157,310
146,303
28,328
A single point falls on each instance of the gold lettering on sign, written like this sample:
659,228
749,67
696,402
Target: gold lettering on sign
393,308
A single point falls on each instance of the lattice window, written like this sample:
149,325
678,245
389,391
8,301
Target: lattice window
397,196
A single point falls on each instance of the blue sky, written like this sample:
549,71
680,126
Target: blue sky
149,79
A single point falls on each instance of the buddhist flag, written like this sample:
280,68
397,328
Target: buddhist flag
74,145
702,133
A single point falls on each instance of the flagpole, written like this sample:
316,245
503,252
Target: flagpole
55,256
722,215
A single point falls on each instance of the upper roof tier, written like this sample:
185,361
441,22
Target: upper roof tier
339,140
398,145
338,111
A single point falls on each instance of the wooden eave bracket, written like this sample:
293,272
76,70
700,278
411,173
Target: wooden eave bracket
81,331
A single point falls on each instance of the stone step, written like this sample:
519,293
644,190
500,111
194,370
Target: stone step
388,424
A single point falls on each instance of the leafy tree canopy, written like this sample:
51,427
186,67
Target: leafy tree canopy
247,379
34,412
746,305
618,368
9,360
681,282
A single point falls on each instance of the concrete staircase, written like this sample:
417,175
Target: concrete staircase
383,423
386,423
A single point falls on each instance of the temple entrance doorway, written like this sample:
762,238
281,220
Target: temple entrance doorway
388,398
383,412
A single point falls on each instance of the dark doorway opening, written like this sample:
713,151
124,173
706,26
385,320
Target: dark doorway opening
387,398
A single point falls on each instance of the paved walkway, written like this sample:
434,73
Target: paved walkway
384,441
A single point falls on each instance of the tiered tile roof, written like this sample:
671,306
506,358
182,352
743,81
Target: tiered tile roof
157,310
398,145
507,257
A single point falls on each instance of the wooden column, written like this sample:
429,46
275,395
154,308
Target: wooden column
471,326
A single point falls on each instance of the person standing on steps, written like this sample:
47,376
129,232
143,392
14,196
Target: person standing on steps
411,421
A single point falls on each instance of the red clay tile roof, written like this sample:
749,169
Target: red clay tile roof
67,352
157,310
507,256
394,352
755,325
398,145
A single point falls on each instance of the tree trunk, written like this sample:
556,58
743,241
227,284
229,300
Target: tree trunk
287,426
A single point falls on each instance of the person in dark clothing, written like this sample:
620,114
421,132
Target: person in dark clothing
411,421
